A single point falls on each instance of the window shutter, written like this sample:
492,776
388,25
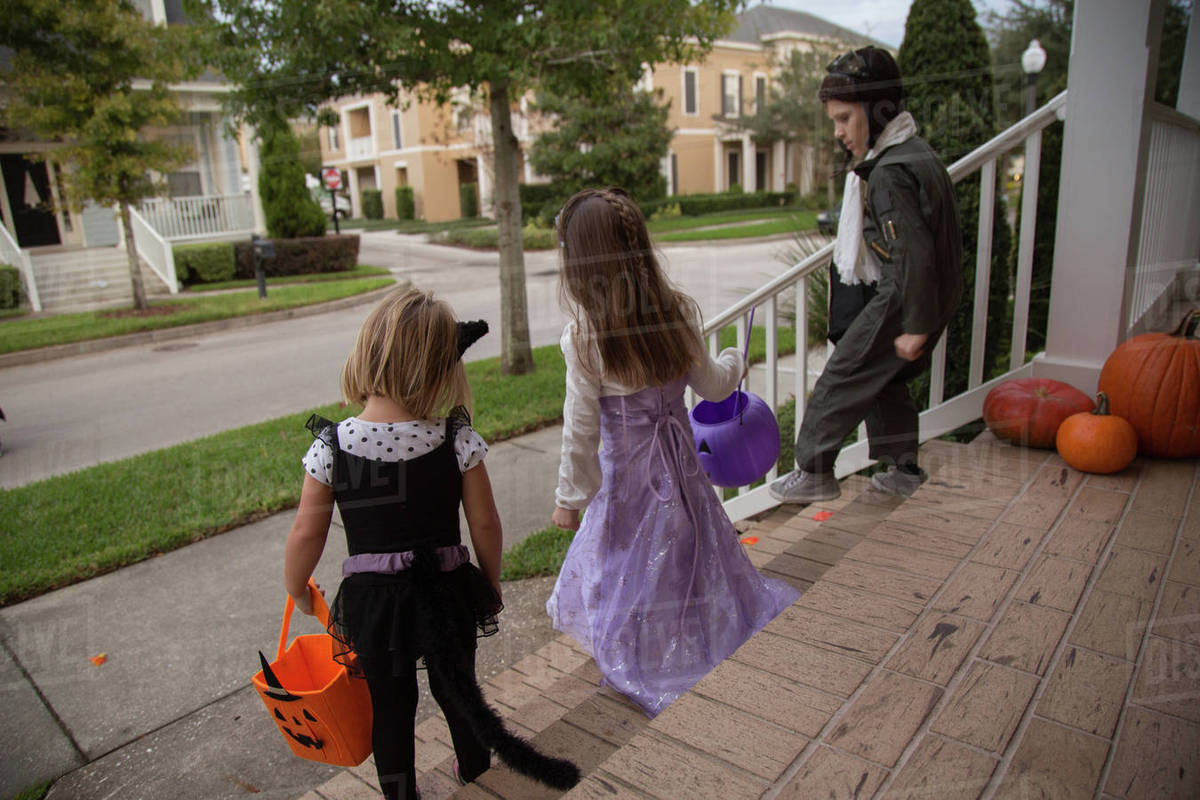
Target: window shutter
738,110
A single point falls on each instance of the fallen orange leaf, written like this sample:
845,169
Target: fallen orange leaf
750,540
821,516
100,659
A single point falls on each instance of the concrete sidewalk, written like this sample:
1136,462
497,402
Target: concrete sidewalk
171,712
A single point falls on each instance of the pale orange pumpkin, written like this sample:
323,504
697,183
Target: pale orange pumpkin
1097,441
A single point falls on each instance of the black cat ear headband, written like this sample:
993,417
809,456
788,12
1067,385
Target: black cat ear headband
469,333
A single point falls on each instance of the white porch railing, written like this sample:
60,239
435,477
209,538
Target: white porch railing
944,415
362,147
154,250
201,216
1169,237
11,253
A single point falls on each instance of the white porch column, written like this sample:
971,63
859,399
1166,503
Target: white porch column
355,200
718,166
483,170
749,164
252,166
1189,77
779,162
1114,54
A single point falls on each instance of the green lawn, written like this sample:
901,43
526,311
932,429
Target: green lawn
70,527
288,280
754,230
23,334
800,219
539,554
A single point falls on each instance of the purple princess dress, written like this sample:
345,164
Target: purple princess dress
656,584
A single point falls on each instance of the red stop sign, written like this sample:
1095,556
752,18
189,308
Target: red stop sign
332,178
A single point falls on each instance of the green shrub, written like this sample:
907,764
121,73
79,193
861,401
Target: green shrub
693,205
667,211
406,203
10,286
372,203
332,253
536,196
468,201
533,236
209,262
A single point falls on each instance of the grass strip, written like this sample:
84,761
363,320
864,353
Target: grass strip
288,280
71,527
25,334
537,555
768,228
669,224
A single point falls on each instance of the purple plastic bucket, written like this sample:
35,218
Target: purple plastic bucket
737,439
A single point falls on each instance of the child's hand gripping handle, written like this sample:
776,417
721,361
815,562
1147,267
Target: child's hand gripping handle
320,611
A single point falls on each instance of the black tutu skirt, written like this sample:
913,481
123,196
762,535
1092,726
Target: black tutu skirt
412,615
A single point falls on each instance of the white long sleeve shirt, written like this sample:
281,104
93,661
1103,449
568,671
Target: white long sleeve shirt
579,468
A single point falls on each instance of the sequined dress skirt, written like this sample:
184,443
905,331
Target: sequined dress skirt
656,584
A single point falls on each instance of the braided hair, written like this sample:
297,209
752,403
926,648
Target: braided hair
642,328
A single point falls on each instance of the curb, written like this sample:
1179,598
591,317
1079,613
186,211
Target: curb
40,354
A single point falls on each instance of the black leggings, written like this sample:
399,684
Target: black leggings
394,705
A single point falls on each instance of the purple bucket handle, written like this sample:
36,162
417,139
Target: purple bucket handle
745,357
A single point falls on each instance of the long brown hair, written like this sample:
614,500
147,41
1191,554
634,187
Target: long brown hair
407,351
643,328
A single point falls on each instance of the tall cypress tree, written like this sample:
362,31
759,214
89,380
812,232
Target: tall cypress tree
289,208
948,87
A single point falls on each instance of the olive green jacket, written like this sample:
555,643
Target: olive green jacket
911,222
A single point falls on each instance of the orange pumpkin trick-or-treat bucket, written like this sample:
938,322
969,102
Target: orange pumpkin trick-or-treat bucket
322,710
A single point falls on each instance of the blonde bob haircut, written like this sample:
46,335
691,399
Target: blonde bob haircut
407,352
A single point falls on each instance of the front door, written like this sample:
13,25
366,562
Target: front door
27,184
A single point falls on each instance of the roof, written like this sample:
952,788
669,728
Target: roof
761,21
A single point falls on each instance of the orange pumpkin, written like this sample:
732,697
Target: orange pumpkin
1097,441
1028,411
1153,380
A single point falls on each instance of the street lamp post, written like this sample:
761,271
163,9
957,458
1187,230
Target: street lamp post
1032,62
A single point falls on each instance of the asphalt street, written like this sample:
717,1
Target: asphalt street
71,413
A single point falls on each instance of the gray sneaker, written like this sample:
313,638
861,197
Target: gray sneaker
896,482
799,486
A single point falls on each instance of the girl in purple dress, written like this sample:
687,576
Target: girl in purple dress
655,585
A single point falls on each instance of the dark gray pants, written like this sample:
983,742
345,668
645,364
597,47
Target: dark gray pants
864,380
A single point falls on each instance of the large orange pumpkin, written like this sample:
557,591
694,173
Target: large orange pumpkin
1153,380
1098,441
1028,411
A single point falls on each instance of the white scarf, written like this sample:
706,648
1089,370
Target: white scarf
855,262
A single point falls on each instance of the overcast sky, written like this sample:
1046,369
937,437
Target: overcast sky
879,19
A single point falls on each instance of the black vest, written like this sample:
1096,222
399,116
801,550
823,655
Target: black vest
393,506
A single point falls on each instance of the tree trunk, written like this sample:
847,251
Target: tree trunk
135,271
516,356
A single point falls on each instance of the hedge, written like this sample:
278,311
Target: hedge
540,200
372,203
696,204
406,203
468,201
209,262
305,256
10,286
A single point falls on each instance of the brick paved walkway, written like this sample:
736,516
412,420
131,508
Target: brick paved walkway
1015,630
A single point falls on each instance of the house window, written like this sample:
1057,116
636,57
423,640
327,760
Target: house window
333,138
689,92
397,139
760,93
731,94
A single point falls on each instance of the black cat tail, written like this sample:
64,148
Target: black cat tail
514,751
